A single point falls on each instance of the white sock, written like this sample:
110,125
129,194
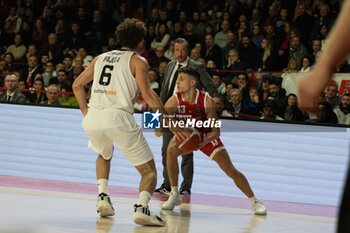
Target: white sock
102,186
175,189
253,199
144,198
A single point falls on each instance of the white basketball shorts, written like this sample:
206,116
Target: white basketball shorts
108,126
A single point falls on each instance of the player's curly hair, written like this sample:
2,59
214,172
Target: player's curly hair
130,32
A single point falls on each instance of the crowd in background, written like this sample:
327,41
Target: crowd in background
49,43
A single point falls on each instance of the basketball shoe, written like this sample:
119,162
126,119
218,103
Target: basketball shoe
104,205
259,208
173,200
143,216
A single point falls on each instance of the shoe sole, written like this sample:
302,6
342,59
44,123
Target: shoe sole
142,219
261,214
105,210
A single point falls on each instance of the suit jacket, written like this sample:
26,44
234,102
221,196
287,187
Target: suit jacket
17,97
205,79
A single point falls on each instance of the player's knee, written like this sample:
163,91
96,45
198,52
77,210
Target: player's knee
150,175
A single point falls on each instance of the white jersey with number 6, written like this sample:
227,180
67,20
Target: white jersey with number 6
114,86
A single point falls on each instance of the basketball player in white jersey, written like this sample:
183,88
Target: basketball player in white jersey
117,77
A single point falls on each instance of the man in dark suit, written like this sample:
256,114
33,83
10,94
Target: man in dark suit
12,95
181,50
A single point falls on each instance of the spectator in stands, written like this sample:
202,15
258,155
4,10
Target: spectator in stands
324,18
150,36
331,95
53,49
61,79
157,57
12,95
316,47
269,111
253,103
236,105
48,73
52,94
61,31
190,34
293,113
9,59
326,114
268,56
66,98
178,31
39,36
14,20
75,38
343,110
219,84
257,36
18,49
32,51
232,42
304,23
279,95
271,35
164,19
196,55
37,94
233,61
211,51
161,71
31,70
83,54
68,66
169,53
2,71
44,59
297,49
255,18
221,36
26,32
293,67
219,101
248,52
305,64
162,37
203,21
153,78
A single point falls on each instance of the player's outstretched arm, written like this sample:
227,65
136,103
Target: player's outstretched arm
336,49
78,86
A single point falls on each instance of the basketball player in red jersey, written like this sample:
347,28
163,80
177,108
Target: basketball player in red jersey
190,101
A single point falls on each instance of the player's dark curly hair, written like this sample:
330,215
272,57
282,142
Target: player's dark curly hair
130,32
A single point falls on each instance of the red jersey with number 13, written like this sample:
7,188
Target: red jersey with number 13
197,110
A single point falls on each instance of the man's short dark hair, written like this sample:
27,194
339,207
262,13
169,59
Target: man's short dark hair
130,32
190,71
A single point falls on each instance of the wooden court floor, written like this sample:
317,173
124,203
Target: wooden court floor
36,206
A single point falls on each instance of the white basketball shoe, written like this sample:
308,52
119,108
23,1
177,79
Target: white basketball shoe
143,216
173,200
104,205
259,208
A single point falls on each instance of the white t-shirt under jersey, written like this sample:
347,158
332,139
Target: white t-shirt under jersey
114,86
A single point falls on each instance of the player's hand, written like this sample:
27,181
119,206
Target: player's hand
159,132
205,141
310,86
181,134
